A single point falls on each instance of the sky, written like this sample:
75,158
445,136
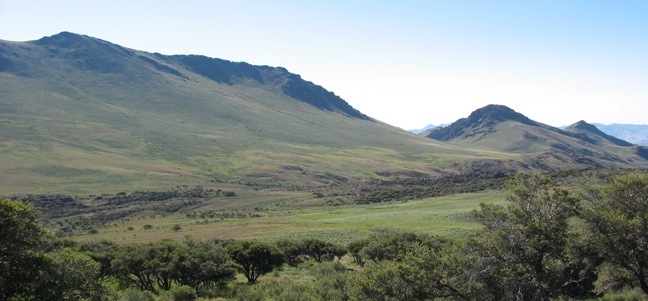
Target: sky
406,63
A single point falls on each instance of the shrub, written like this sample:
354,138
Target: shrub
183,293
134,294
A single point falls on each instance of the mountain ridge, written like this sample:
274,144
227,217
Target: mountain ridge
83,115
219,70
585,131
500,128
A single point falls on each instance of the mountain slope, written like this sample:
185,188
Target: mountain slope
593,135
500,128
79,114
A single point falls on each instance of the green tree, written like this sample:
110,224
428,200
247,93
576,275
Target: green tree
323,251
355,247
526,250
70,275
423,273
21,248
131,265
335,250
293,250
617,220
388,280
202,263
33,266
147,266
160,261
183,293
393,245
255,258
328,283
102,252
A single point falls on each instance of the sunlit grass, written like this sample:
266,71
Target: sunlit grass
275,219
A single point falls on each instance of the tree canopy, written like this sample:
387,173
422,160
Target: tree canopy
617,220
32,267
255,258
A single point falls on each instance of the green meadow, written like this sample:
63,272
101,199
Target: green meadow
284,217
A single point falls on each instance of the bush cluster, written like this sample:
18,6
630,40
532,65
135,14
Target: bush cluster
545,244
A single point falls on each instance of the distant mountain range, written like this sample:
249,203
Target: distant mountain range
427,127
82,115
500,128
633,133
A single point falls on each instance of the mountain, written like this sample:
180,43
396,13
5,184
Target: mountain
82,115
497,127
590,133
634,133
427,128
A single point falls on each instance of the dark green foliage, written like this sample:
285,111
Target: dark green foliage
390,280
166,262
147,266
103,252
395,245
69,275
536,248
33,267
328,284
275,290
111,207
21,249
131,265
255,258
322,251
203,264
161,261
355,247
417,188
422,274
526,250
617,220
294,250
183,293
135,294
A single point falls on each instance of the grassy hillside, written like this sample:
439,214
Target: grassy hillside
83,116
80,115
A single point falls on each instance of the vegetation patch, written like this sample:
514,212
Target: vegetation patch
63,171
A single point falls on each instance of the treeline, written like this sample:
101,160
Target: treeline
546,244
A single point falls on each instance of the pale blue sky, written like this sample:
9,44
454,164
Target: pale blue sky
407,63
